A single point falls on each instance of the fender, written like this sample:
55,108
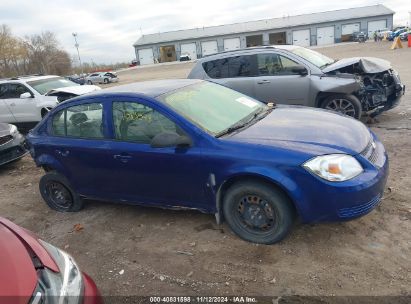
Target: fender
271,175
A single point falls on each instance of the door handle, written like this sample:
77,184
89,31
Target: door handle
63,153
263,81
123,158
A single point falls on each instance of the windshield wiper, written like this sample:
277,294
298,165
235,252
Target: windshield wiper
247,120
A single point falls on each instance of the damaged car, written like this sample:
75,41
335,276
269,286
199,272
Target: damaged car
193,144
12,144
295,75
25,100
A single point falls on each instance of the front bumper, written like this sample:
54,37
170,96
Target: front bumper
339,201
13,150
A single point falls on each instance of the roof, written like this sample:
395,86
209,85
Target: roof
152,88
265,24
26,78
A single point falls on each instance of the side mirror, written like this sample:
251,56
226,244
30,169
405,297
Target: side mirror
26,95
170,139
300,70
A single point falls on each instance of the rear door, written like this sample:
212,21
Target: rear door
140,173
78,143
234,72
276,82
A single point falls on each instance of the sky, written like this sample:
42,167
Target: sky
107,29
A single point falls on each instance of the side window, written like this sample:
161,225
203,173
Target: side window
288,65
275,65
139,123
242,66
15,90
217,68
82,121
3,91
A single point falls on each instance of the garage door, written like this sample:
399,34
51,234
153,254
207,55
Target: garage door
146,56
374,26
348,29
209,47
301,38
325,35
190,49
231,44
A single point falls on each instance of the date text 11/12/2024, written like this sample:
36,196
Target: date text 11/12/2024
204,299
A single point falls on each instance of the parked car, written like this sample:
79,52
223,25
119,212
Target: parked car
396,33
404,35
25,100
12,144
359,36
382,33
102,77
77,79
198,145
185,57
295,75
34,271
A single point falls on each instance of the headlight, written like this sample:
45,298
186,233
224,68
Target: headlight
13,130
334,167
66,286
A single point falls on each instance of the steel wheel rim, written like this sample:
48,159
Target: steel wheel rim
341,105
256,214
59,195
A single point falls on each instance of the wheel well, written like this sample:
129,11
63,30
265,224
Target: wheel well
321,96
47,168
256,178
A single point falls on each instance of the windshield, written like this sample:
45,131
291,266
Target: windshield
45,85
212,107
314,57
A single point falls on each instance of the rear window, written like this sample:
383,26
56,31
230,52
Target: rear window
238,66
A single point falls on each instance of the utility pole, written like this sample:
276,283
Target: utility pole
78,53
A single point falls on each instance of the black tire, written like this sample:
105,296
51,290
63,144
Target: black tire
57,193
89,82
105,80
343,103
270,201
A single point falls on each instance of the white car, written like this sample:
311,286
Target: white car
101,77
25,100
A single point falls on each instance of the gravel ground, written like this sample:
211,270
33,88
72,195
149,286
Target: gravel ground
185,253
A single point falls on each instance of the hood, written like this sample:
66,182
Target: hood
76,90
309,130
19,277
367,64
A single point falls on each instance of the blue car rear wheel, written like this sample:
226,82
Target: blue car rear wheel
57,193
258,212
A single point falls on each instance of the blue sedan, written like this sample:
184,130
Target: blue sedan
198,145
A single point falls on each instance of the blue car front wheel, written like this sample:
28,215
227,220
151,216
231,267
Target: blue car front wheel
258,212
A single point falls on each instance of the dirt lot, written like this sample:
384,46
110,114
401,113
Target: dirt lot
179,253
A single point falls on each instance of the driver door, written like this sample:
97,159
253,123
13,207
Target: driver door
168,176
276,82
23,109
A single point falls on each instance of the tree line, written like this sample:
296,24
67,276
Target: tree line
40,54
35,54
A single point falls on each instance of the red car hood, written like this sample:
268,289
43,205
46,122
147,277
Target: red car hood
19,277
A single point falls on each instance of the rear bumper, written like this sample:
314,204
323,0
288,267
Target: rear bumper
91,293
